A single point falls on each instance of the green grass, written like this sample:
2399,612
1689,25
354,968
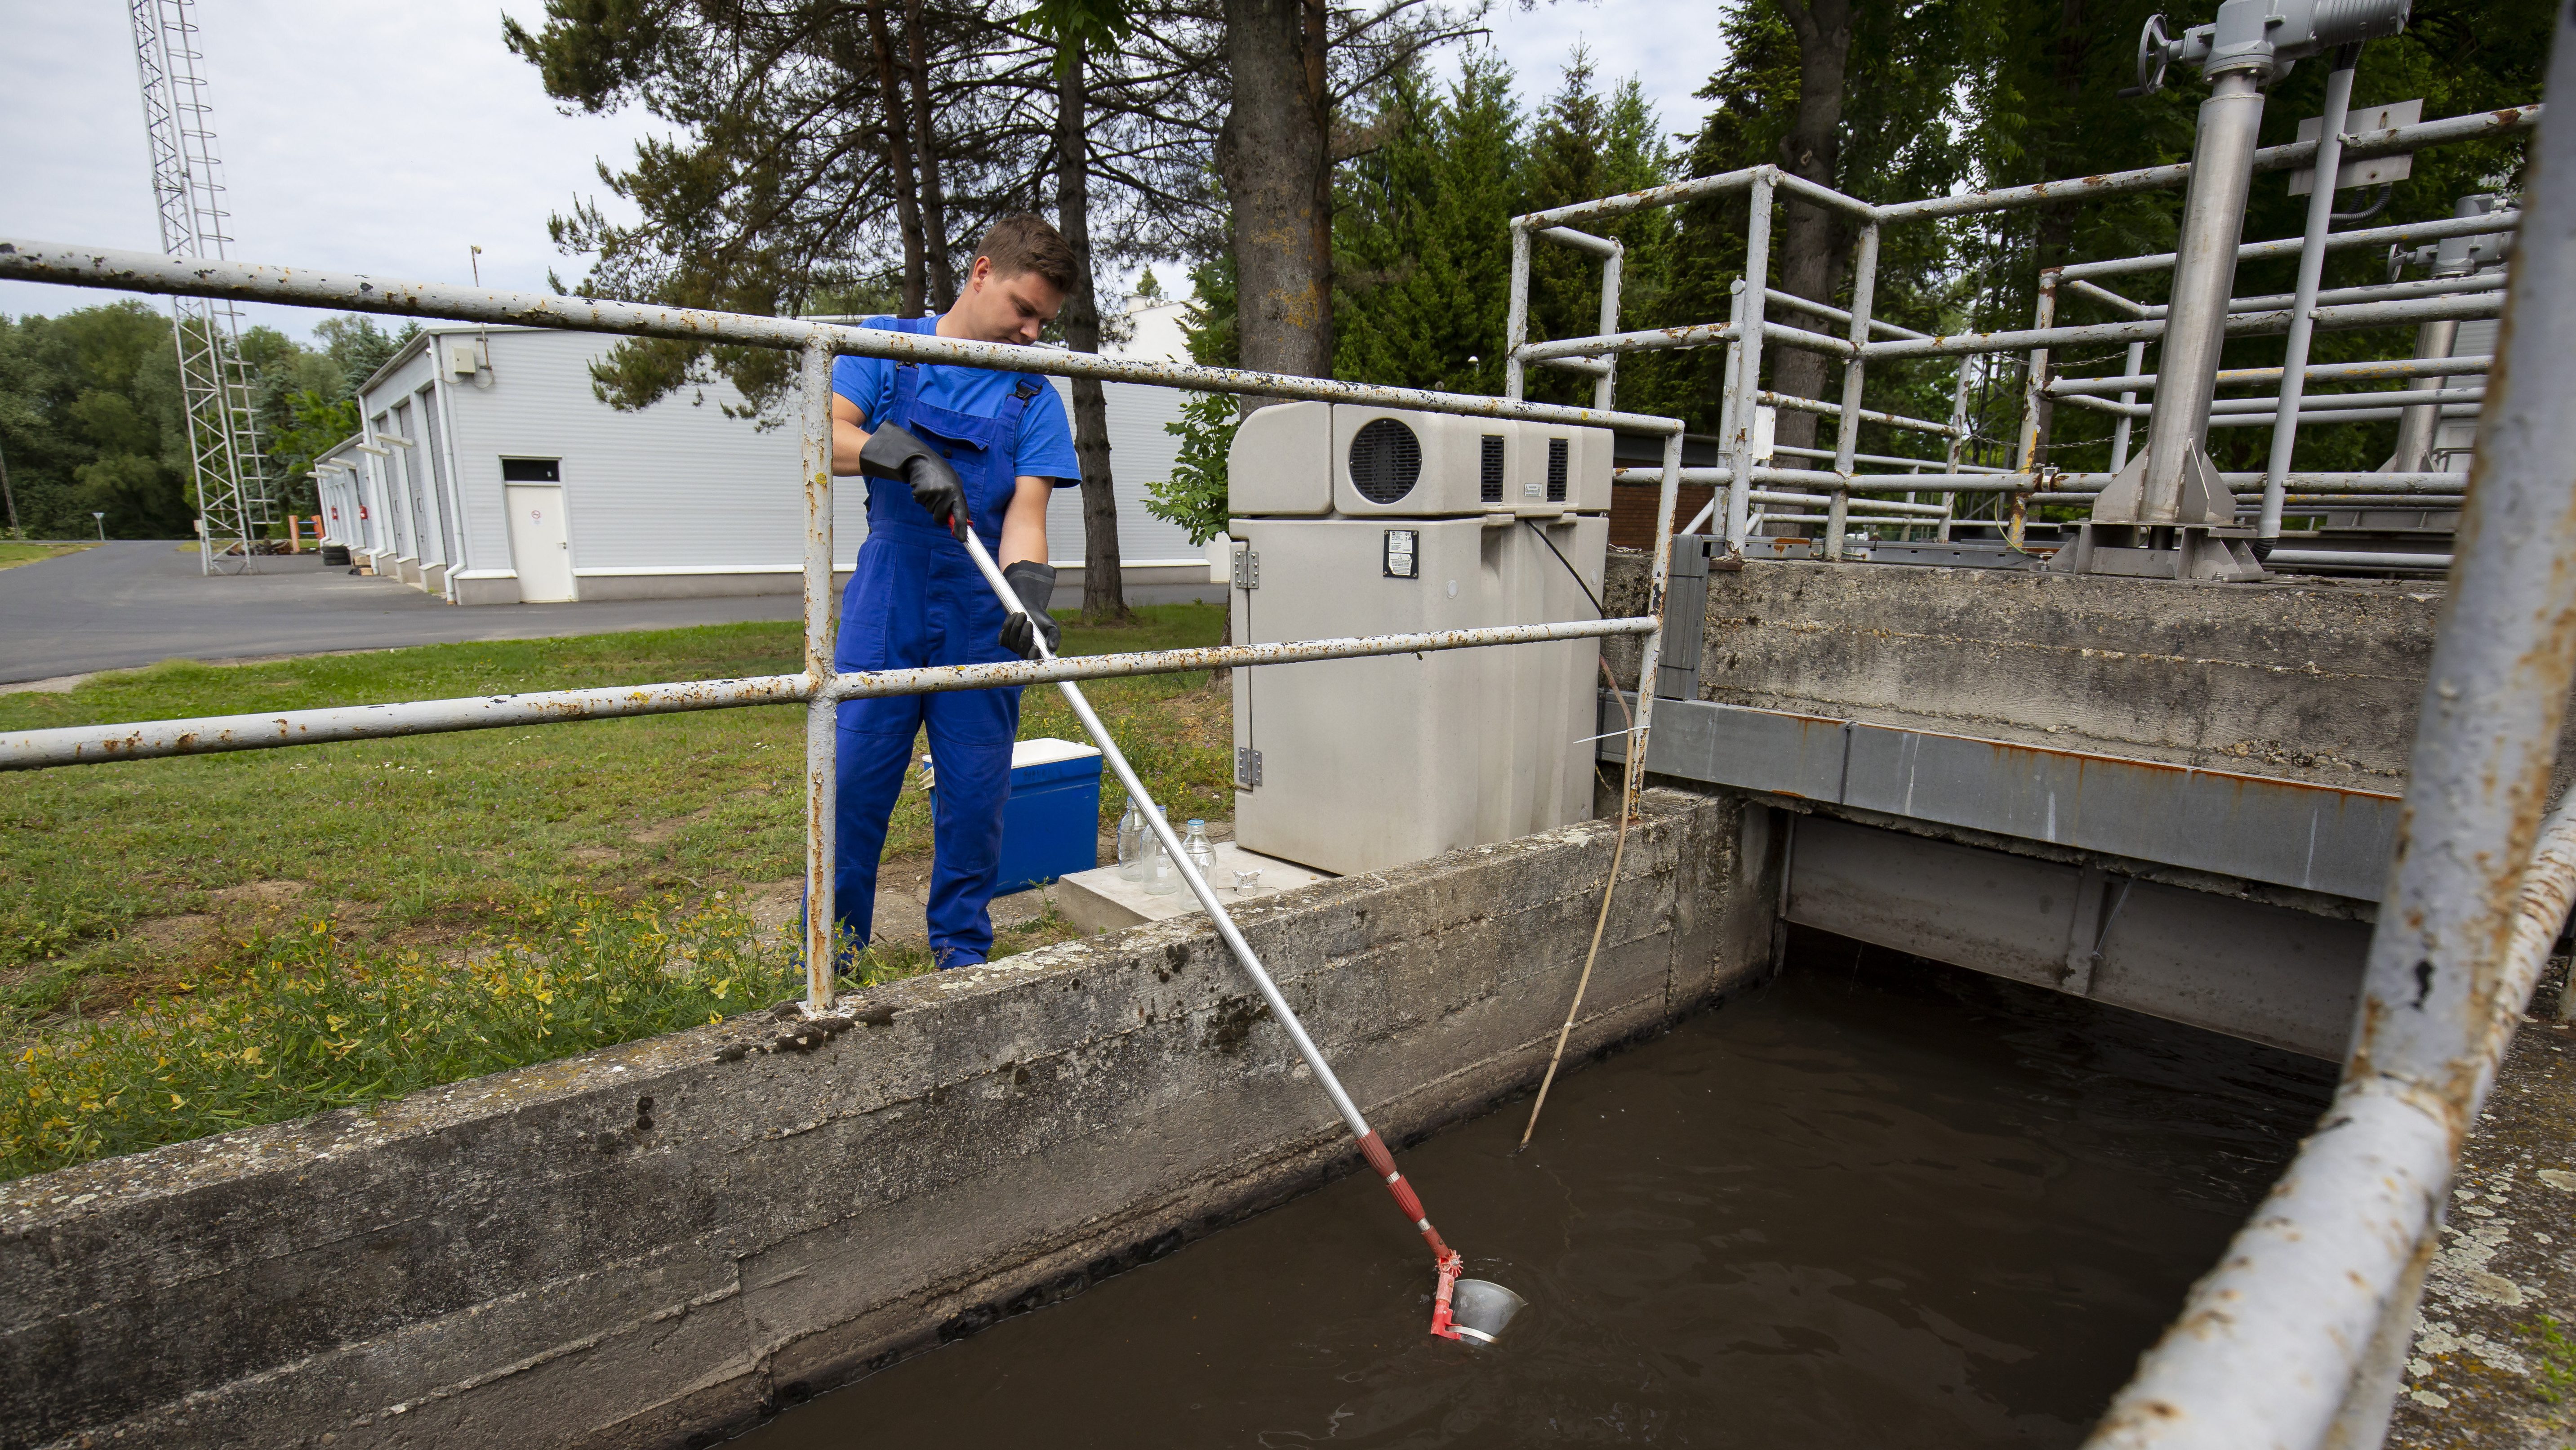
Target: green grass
198,944
14,552
315,1022
118,879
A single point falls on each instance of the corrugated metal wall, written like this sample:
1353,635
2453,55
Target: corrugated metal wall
1140,452
683,487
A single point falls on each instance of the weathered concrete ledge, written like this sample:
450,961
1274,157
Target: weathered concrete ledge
2302,679
658,1242
2494,1357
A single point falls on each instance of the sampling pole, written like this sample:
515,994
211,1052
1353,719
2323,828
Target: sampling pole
1372,1148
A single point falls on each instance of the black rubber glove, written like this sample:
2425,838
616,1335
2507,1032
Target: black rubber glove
1035,584
891,452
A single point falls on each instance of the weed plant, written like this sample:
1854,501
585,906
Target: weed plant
118,879
315,1021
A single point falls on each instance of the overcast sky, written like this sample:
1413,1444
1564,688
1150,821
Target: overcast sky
389,138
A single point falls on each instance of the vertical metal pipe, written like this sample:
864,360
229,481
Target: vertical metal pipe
2303,303
2275,1341
2415,428
1658,580
1516,319
1606,386
821,916
2213,214
2034,386
1958,444
1847,435
1748,347
2120,430
1737,498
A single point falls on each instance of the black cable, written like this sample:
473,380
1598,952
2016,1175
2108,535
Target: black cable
1569,568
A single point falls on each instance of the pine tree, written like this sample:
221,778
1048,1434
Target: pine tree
1585,145
1422,251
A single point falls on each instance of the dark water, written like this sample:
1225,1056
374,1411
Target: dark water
1877,1204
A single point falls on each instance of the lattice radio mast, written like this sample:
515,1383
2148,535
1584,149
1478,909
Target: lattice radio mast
230,466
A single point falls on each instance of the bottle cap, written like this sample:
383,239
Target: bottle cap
1197,825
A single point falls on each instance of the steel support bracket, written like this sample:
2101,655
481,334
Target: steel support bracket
2202,542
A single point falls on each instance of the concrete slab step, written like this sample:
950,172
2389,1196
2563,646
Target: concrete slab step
1100,900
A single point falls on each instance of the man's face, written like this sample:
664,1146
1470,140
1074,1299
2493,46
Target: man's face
1006,309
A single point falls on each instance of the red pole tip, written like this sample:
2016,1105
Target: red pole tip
1451,1266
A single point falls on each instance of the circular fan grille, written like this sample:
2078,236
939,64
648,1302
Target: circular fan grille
1386,461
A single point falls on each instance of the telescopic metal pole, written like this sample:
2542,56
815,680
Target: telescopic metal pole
1371,1147
2303,304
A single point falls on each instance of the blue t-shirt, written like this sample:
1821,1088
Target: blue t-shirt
1045,447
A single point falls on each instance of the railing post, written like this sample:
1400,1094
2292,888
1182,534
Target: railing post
2034,387
2303,305
1650,660
1731,502
1957,446
1516,320
1606,386
2120,429
1847,436
1746,381
821,714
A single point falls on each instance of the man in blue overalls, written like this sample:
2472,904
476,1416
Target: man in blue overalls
947,448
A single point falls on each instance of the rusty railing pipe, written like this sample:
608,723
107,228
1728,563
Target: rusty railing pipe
2274,1342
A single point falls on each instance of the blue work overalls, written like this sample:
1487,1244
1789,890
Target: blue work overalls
916,599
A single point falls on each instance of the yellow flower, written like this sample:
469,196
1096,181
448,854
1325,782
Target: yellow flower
250,1054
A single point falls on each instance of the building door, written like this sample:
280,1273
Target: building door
540,547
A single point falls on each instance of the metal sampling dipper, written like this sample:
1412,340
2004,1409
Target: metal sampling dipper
1469,1309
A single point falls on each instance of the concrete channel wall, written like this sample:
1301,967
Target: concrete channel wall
657,1243
2300,679
2177,798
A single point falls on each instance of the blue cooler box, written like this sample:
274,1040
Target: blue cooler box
1051,823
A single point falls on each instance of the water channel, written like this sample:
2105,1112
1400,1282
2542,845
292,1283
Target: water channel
1877,1203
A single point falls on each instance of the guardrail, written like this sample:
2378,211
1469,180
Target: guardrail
819,687
1865,339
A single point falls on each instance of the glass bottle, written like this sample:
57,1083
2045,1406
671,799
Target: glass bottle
1133,837
1160,876
1202,855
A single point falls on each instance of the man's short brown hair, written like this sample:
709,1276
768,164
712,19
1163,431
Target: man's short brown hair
1024,242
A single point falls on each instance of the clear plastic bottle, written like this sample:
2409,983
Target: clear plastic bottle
1202,855
1134,836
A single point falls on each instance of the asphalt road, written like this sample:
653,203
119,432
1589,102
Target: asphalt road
133,603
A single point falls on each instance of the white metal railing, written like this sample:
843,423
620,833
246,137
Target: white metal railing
1866,339
818,687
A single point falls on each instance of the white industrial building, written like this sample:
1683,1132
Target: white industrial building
488,472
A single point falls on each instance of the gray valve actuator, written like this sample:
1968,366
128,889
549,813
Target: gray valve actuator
2264,36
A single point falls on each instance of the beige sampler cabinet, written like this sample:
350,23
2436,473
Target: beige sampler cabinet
1350,520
